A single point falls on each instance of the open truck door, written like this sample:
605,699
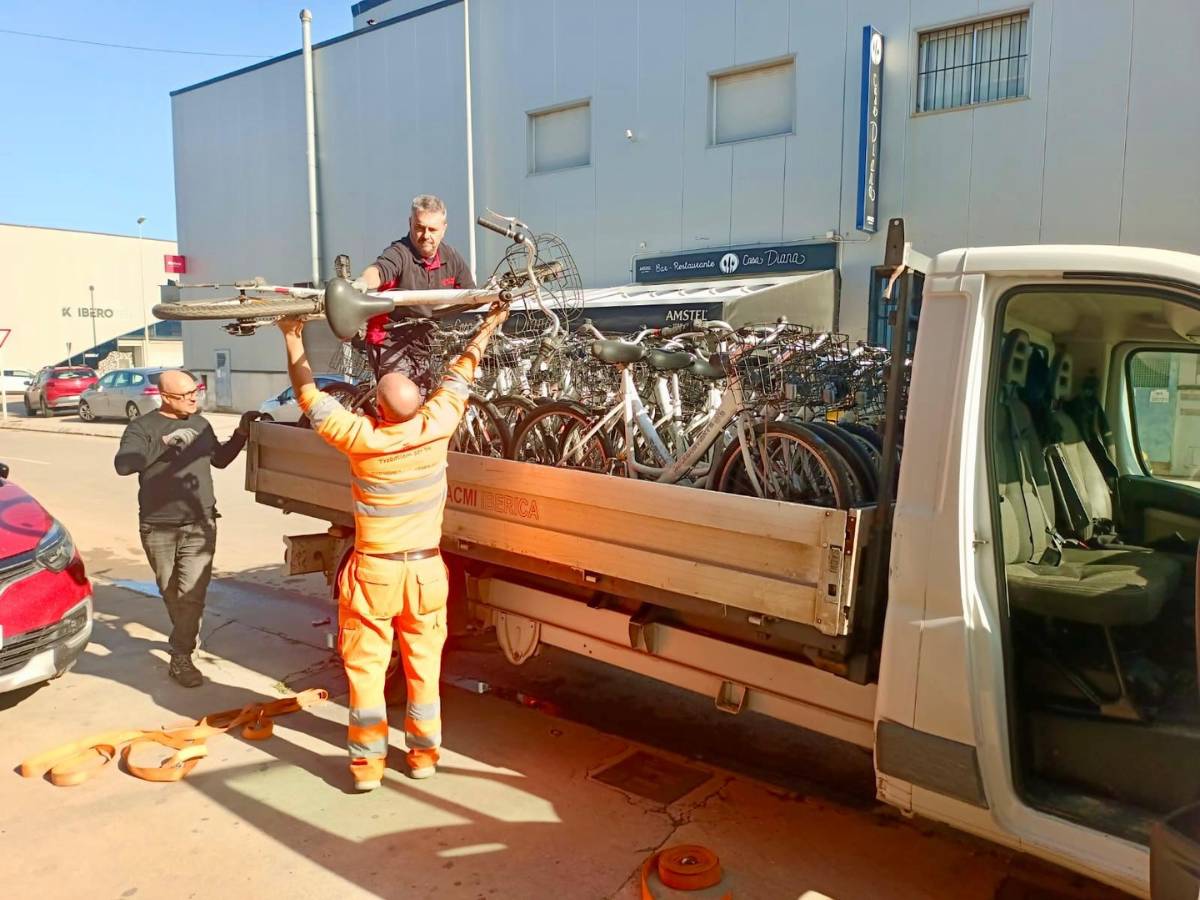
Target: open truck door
1175,841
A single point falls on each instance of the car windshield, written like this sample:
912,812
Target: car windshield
65,374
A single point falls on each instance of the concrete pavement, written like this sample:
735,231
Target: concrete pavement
520,808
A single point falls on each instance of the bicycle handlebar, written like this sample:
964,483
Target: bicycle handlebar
507,230
676,330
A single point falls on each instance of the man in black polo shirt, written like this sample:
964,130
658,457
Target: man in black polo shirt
418,261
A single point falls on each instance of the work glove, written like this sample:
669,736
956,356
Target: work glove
178,440
243,426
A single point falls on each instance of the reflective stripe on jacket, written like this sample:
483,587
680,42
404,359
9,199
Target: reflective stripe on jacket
398,469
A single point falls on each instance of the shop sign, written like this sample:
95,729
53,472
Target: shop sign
869,131
740,262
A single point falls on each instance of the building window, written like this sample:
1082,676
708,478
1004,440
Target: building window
979,62
560,138
753,102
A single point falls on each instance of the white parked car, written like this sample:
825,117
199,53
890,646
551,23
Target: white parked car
283,406
14,381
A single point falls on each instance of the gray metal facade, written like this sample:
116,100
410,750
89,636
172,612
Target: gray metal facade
1100,151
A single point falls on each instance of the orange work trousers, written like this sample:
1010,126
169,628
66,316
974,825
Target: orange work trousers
379,599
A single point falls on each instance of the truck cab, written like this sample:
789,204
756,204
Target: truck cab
1038,674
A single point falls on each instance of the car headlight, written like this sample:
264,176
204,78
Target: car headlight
56,549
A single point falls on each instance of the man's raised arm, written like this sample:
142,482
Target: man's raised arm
336,425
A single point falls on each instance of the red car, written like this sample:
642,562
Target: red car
45,595
57,387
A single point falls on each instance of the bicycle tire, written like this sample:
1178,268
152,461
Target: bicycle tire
856,458
345,394
251,308
841,491
537,440
866,432
514,408
496,434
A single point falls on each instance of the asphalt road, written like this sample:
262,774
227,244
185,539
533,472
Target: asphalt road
515,810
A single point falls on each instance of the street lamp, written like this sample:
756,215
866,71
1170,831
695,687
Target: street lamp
142,277
92,293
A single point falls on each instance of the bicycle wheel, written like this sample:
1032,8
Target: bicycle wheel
865,432
864,472
545,437
345,394
239,308
482,431
791,464
513,409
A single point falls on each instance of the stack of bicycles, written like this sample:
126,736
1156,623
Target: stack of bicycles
772,410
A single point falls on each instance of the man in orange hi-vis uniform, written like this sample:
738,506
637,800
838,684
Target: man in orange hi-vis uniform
395,581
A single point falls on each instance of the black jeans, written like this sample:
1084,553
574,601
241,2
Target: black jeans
182,559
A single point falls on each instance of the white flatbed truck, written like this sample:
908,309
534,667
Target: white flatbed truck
894,628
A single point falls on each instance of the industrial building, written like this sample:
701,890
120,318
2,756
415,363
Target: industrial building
771,137
77,296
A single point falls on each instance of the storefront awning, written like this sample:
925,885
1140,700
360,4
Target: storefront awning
809,299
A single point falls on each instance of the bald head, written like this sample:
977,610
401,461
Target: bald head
178,393
398,399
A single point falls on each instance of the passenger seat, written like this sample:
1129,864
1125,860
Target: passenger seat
1106,588
1082,470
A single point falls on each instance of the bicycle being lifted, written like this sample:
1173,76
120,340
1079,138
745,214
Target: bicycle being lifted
537,272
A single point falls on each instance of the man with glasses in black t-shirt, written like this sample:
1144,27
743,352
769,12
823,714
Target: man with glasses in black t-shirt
172,450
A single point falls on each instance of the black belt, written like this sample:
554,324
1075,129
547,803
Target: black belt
408,555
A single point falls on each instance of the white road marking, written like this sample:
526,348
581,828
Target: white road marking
36,462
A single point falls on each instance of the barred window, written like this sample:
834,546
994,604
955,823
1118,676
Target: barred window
979,62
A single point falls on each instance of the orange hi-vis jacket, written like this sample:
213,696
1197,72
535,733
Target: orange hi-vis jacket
398,469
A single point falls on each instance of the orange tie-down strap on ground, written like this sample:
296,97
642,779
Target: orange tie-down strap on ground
687,867
76,762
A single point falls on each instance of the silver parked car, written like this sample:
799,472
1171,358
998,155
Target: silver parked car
283,407
126,394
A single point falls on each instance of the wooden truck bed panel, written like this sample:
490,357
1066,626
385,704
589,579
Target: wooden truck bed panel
789,561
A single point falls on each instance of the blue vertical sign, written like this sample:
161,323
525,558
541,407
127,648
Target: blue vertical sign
868,130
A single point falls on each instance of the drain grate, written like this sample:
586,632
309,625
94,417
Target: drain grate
652,777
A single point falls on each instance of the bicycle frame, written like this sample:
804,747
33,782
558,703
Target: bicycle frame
634,415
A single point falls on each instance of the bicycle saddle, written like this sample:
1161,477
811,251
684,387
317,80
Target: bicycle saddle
347,310
669,361
712,368
616,353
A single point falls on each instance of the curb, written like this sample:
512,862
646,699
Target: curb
20,427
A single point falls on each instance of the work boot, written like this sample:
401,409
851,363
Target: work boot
422,763
368,773
184,671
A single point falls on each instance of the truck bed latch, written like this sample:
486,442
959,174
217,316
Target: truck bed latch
731,697
641,629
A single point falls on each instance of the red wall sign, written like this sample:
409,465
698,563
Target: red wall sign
173,263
